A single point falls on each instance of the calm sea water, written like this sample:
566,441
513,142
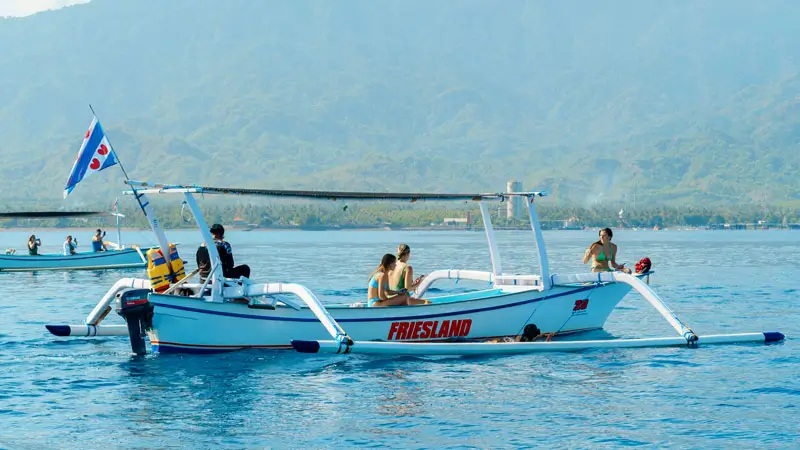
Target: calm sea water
92,392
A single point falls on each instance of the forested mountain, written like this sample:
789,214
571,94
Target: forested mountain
684,102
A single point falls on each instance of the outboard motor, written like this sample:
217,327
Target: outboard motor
137,311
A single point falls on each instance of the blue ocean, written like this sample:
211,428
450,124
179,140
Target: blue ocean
93,393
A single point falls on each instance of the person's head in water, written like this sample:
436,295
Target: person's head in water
403,252
218,231
69,238
32,238
605,236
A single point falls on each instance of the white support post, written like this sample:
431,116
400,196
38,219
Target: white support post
541,250
494,252
161,237
119,233
213,254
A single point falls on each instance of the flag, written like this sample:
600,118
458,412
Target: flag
114,206
95,155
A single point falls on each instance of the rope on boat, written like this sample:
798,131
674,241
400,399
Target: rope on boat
527,321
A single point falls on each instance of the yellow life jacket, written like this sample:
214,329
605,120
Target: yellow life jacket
157,270
176,262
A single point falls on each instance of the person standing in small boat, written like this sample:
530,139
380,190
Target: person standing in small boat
603,254
378,292
70,246
33,245
225,256
97,241
402,276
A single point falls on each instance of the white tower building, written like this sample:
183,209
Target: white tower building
515,206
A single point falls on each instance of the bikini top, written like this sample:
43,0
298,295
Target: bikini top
373,282
602,255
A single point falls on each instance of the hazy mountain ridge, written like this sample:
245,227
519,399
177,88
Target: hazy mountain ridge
692,102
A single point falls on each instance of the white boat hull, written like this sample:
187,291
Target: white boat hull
111,259
183,324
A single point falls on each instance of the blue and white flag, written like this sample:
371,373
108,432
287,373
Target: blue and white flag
95,155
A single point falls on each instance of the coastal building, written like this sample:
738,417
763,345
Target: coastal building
515,206
455,221
459,222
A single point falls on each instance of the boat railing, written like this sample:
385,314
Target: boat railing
504,280
302,292
451,274
103,307
589,277
519,280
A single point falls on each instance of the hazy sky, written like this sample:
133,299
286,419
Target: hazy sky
27,7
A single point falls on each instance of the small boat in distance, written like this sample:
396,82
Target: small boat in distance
118,257
132,257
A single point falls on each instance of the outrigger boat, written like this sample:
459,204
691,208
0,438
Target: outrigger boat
222,314
131,257
118,257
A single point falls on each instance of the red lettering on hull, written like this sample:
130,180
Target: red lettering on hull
399,331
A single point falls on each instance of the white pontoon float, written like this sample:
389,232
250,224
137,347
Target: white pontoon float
228,314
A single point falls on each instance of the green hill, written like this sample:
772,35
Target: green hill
684,102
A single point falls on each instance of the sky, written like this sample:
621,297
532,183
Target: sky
19,8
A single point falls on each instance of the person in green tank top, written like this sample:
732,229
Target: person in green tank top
379,292
603,254
402,276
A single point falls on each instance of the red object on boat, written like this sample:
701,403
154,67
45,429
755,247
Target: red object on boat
643,265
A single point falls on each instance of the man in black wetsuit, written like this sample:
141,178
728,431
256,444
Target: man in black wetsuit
225,256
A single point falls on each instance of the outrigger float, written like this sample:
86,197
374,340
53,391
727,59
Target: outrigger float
222,314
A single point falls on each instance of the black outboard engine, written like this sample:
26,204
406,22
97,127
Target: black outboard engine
137,311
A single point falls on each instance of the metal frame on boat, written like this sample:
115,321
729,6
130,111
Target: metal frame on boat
227,314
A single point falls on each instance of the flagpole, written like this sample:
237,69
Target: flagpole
145,207
124,172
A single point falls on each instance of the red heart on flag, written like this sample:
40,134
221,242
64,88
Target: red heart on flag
103,150
95,164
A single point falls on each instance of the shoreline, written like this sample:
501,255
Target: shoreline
111,232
